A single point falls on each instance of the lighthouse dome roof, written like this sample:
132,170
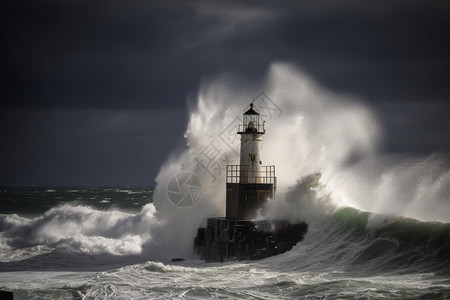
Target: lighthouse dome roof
251,111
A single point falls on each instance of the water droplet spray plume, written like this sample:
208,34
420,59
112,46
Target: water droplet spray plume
314,132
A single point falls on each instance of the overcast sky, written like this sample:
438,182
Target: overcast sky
90,89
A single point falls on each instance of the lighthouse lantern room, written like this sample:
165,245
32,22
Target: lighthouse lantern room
249,184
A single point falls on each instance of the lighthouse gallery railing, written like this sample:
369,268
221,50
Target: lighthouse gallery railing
243,128
265,175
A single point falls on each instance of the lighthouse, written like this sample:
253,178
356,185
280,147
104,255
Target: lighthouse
249,184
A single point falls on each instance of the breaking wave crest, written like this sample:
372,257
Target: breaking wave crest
347,243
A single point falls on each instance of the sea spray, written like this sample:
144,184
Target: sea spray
417,187
308,131
306,201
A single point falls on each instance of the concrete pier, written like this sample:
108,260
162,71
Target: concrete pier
227,239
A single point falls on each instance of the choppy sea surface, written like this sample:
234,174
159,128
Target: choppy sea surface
92,243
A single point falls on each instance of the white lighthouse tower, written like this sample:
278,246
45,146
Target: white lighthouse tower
249,184
251,132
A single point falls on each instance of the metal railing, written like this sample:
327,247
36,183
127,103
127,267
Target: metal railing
240,174
256,129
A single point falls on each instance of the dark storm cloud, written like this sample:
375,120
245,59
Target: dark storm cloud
115,55
152,53
396,54
85,147
86,54
92,56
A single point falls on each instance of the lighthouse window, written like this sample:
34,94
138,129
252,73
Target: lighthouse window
252,157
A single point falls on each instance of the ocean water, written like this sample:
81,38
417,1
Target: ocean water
75,245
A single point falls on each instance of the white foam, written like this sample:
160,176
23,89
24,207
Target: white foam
82,229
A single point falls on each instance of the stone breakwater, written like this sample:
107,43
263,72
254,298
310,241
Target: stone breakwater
227,239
